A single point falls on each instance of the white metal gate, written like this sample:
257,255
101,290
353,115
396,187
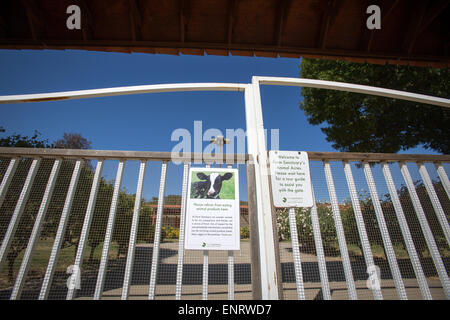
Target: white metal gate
269,270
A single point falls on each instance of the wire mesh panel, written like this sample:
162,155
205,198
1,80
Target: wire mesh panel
108,228
398,241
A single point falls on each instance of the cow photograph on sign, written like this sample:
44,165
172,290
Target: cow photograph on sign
212,185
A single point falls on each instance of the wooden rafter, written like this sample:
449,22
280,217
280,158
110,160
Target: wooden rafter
136,19
283,9
329,14
232,8
414,27
184,16
86,21
432,14
386,13
34,18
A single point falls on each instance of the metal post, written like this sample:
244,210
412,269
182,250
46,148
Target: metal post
133,232
109,232
156,241
254,238
60,232
26,261
257,145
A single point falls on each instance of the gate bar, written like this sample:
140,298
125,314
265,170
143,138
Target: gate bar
296,255
109,232
20,207
7,178
326,293
133,232
434,251
179,280
420,276
45,288
444,178
231,266
157,235
367,250
340,233
26,260
389,249
86,224
435,201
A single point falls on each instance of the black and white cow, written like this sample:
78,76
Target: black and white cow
210,185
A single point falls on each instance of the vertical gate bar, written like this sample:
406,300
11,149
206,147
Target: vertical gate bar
156,241
367,250
133,232
205,268
184,188
421,280
435,201
20,207
26,260
231,267
205,275
434,251
109,232
12,166
340,233
326,293
296,255
254,237
444,178
389,249
86,225
230,275
45,288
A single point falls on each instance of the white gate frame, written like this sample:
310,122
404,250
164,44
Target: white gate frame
255,139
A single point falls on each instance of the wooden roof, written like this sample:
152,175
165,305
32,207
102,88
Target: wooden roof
414,32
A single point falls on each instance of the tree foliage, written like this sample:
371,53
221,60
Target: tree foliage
363,123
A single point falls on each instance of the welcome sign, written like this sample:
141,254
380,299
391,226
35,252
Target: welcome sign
212,216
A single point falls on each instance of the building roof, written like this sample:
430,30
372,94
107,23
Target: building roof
412,32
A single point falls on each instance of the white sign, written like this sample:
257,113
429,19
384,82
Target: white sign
212,216
291,182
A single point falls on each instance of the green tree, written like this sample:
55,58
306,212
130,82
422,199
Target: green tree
363,123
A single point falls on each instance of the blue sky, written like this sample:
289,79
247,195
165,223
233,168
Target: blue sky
146,122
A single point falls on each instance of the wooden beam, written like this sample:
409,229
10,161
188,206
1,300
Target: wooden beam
432,14
86,21
136,19
34,17
415,24
283,9
232,8
184,16
328,16
386,13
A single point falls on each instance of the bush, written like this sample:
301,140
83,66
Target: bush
245,232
